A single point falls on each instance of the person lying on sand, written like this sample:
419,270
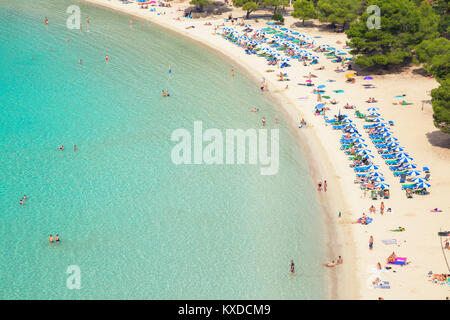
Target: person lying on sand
391,258
329,265
333,101
320,68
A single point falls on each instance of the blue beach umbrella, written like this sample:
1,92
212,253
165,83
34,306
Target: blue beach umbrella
356,134
398,149
373,109
393,144
418,180
382,185
368,78
357,140
361,145
405,159
375,174
375,114
320,105
413,173
363,151
351,130
410,166
367,156
391,139
347,120
377,179
423,185
321,86
374,167
402,155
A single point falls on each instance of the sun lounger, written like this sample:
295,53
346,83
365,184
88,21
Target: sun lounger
390,241
408,186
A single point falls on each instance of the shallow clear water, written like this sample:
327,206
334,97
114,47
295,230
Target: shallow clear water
138,226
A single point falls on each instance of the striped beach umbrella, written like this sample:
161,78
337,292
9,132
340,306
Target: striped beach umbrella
360,145
413,173
393,144
350,130
410,166
377,179
375,174
405,159
373,109
423,185
418,180
402,155
382,185
356,134
367,156
375,114
398,149
357,140
374,167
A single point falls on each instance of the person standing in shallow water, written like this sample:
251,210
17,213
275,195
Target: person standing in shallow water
325,186
232,72
292,267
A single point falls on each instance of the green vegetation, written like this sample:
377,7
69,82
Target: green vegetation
403,26
338,11
278,17
275,4
248,5
304,10
200,4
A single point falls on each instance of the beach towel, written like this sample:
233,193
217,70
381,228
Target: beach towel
399,261
382,285
338,91
399,229
368,220
390,241
400,96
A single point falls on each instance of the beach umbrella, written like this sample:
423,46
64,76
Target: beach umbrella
361,145
373,109
391,139
410,166
351,130
393,144
413,173
374,167
402,155
382,185
398,149
356,134
374,114
368,78
362,151
346,120
377,120
405,160
350,75
375,174
377,179
423,185
367,156
418,180
357,140
247,26
321,86
320,105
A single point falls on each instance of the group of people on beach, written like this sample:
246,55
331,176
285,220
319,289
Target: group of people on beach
333,264
319,186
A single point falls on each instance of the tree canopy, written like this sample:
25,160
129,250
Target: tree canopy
199,4
435,55
248,5
403,26
304,10
338,11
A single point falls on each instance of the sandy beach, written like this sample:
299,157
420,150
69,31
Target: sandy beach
413,126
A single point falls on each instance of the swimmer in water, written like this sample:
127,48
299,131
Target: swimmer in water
46,21
170,69
263,120
50,239
87,20
107,58
61,148
80,61
163,93
255,110
232,72
292,267
276,119
21,201
57,238
25,197
75,147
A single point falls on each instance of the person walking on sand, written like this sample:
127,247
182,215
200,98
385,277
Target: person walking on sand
319,97
382,207
325,186
340,260
319,186
370,243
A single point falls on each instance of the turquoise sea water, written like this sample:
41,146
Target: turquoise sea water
138,226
